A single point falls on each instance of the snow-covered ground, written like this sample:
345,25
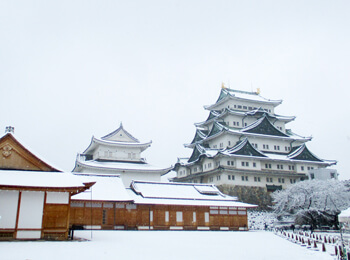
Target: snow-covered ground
163,245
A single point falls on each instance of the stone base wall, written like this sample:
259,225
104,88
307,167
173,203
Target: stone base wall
253,195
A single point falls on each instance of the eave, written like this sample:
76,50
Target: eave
96,141
80,164
230,97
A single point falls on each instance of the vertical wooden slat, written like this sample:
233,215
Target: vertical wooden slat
18,210
42,220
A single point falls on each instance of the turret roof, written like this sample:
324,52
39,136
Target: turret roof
227,94
118,138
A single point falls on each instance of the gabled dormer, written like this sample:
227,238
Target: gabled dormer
200,150
303,153
244,148
263,126
120,135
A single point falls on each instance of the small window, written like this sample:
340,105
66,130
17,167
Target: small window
254,164
229,177
232,177
246,178
151,215
179,217
242,178
166,216
206,217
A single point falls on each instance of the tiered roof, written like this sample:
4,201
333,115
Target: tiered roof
217,115
115,139
245,149
262,127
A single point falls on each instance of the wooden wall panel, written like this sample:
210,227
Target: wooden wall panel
134,216
55,216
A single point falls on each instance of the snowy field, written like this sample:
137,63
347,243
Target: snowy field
163,245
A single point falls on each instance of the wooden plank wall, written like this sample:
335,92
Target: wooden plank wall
102,215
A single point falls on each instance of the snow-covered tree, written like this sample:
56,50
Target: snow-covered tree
312,202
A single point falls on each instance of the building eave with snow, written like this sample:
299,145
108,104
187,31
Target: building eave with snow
36,204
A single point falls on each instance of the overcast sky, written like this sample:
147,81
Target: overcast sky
73,69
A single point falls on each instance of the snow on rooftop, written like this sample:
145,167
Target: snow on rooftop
39,179
250,96
107,188
181,194
122,165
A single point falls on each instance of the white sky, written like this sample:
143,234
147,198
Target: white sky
73,69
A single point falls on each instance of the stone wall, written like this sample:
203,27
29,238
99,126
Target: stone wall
253,195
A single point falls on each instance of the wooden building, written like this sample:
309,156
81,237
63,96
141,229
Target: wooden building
34,196
157,206
36,205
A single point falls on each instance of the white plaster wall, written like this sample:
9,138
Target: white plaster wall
57,197
224,139
113,153
127,178
8,208
28,234
231,104
207,165
31,209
